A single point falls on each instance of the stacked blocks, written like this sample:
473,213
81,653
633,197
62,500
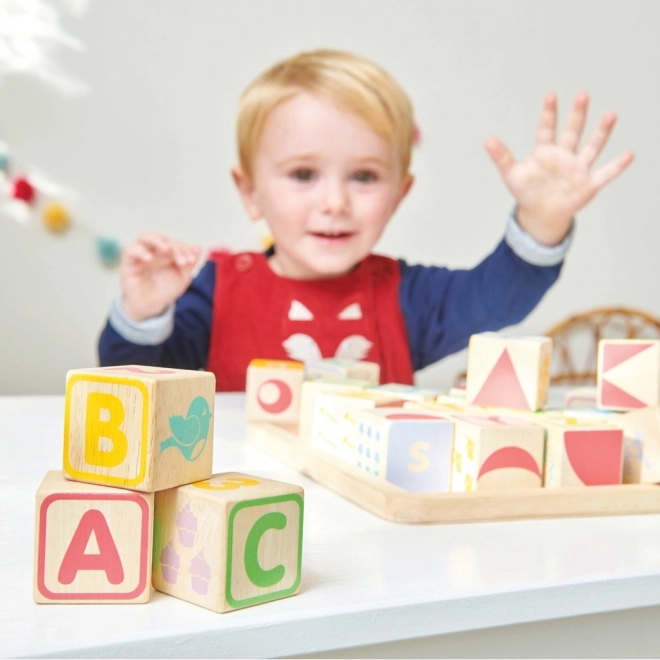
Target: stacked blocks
93,543
274,390
493,452
228,542
151,430
581,453
138,427
408,448
508,372
628,373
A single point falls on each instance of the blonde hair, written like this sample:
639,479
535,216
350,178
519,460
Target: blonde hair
350,81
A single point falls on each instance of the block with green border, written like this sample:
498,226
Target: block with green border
230,541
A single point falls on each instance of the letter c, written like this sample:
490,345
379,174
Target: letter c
257,575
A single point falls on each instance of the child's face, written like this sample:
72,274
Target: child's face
326,184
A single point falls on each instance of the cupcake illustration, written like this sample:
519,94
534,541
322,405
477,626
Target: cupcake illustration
169,563
187,525
200,574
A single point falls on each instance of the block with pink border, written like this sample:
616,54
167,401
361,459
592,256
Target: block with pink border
92,543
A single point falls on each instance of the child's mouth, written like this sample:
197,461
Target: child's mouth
332,238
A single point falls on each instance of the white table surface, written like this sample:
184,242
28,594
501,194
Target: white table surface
365,581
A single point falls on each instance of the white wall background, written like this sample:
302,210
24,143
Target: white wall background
151,146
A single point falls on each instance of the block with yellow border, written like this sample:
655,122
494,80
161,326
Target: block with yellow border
137,427
228,542
273,391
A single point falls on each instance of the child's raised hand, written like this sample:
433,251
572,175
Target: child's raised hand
557,179
154,272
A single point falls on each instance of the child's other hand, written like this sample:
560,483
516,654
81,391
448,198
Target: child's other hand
154,272
556,180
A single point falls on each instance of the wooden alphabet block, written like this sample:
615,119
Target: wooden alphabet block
230,541
92,543
313,388
581,453
273,391
142,428
492,452
334,427
336,368
641,445
409,448
407,392
508,372
628,373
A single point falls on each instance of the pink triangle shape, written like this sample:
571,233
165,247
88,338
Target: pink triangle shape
502,387
611,395
614,354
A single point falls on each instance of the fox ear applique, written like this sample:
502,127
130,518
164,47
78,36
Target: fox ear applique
298,312
351,313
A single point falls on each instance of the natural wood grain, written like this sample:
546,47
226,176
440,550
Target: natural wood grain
392,503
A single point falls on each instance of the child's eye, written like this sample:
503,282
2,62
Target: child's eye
365,176
303,175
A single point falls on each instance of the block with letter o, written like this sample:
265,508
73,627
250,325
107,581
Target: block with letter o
92,543
230,541
137,427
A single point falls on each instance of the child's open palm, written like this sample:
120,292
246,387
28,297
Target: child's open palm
557,179
154,272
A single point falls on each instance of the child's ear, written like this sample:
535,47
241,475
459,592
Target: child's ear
406,185
247,191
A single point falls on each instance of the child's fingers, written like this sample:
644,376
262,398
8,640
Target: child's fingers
603,175
500,154
545,130
138,253
598,139
570,137
155,242
185,255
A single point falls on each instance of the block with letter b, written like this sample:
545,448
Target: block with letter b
508,372
92,543
142,428
273,391
230,541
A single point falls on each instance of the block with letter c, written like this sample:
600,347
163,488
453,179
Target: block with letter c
228,542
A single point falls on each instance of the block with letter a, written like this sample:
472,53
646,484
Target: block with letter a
142,428
628,373
92,543
273,391
228,542
409,448
508,372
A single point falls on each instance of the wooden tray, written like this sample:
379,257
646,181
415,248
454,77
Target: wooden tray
397,505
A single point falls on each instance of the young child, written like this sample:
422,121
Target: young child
324,145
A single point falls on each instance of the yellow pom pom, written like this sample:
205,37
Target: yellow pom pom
55,217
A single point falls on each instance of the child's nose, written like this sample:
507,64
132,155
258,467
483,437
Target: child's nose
335,199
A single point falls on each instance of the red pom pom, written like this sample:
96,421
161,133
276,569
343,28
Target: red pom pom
23,190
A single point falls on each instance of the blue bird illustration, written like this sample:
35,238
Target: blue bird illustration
190,433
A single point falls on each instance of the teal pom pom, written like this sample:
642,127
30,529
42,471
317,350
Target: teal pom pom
109,250
4,161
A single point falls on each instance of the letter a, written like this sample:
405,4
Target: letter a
96,429
75,559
